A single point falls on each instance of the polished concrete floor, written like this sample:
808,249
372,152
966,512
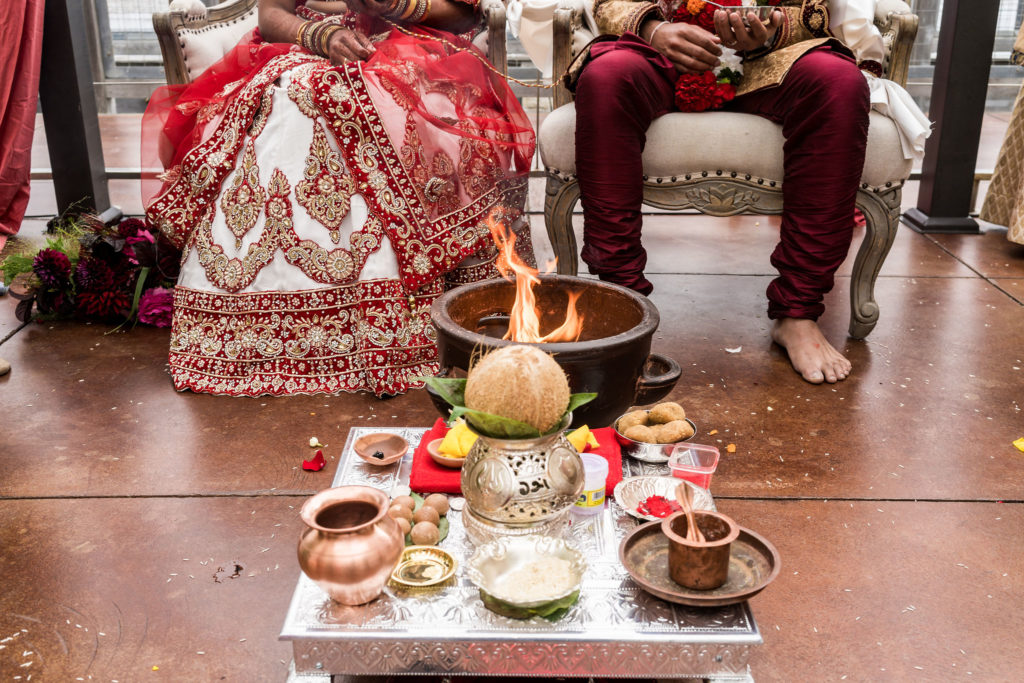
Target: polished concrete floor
150,535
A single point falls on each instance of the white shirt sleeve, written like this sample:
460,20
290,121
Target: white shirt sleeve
853,22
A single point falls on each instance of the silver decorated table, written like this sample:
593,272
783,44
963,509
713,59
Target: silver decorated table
615,630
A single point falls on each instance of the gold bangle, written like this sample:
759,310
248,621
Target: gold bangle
409,10
420,10
301,33
325,39
399,9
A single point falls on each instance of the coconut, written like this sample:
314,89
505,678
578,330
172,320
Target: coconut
519,382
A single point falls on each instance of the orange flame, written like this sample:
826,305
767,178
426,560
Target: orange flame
524,323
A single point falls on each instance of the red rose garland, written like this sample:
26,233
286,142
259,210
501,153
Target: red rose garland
708,89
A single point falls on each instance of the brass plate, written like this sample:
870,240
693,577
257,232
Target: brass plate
423,565
753,563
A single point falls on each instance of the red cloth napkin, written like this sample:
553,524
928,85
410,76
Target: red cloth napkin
429,477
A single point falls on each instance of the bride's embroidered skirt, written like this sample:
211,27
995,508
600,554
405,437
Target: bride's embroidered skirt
322,209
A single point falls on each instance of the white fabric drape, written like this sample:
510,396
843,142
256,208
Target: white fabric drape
853,22
532,22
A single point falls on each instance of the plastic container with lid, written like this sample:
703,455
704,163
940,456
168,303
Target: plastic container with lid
591,500
694,462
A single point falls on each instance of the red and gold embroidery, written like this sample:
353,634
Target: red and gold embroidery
367,336
182,203
326,190
234,274
259,121
425,247
242,202
299,92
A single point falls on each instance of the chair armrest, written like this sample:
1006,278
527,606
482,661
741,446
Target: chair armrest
899,30
188,17
568,19
494,21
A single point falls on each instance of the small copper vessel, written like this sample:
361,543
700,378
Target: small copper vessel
351,544
701,566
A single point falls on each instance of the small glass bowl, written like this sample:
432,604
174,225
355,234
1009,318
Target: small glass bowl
762,12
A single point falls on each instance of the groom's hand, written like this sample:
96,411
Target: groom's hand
745,33
689,47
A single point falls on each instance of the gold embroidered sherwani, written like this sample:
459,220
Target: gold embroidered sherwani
1004,202
805,26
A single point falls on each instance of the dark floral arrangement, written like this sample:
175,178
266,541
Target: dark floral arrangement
91,271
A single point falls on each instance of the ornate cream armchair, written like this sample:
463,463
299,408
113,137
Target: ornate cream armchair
724,179
192,37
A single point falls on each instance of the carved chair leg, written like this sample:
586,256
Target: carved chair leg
881,213
560,200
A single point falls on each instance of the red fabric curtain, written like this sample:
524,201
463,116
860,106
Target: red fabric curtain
21,41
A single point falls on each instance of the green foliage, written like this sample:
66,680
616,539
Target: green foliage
14,265
552,611
65,240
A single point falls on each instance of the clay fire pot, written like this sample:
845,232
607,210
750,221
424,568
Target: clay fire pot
351,544
612,356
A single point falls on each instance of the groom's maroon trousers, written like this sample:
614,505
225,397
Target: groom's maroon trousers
822,106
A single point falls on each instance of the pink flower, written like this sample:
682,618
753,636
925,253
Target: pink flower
156,307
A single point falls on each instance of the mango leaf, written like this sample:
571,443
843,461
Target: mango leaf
451,389
495,426
577,400
552,611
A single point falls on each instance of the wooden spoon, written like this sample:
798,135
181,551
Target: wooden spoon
685,497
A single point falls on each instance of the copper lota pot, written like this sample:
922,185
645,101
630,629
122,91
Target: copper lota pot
612,356
351,544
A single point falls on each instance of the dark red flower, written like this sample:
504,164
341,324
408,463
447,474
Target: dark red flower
105,305
93,275
168,258
60,303
129,227
53,268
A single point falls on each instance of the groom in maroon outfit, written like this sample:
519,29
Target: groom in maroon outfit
820,99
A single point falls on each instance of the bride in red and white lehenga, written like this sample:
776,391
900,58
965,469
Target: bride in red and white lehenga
328,179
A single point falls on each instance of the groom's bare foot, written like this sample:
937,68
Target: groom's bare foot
809,352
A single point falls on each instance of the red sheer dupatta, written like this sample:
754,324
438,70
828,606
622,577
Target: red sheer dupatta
179,116
411,63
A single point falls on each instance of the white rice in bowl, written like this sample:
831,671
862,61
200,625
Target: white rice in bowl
544,577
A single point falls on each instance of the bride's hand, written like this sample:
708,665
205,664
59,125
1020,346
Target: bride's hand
349,45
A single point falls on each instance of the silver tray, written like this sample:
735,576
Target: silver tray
446,629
